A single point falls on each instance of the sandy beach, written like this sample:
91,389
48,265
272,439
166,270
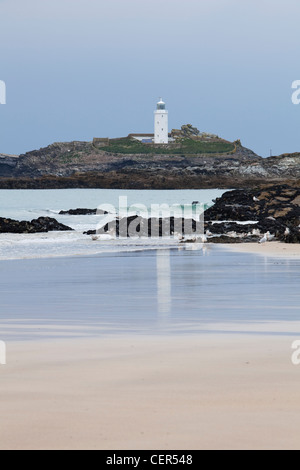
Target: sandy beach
190,392
152,350
267,249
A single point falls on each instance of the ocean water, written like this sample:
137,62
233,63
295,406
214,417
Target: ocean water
61,285
31,204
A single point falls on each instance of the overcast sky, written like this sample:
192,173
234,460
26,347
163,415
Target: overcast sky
77,69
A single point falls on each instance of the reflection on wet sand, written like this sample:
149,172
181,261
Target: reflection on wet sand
164,287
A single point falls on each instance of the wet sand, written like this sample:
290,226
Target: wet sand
151,351
267,249
135,392
162,292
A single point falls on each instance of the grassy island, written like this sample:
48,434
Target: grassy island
128,145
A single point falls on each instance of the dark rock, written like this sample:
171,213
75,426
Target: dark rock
43,224
275,209
141,227
233,206
292,237
158,226
83,212
8,164
79,212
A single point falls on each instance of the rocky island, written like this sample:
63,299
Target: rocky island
191,161
265,202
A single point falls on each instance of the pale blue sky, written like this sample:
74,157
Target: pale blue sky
76,69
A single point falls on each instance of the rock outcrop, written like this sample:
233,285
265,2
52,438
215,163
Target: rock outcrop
186,131
7,164
273,212
40,225
83,212
152,227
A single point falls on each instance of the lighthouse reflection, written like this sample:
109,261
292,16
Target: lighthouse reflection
164,287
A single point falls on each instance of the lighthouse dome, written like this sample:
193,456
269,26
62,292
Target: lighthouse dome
161,104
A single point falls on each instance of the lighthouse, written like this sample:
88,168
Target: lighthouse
161,135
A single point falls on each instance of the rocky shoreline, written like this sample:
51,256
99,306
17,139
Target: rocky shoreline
256,215
82,165
239,216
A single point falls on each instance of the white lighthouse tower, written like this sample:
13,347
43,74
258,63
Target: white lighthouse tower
161,135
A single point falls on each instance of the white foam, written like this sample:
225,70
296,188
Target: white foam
247,222
57,244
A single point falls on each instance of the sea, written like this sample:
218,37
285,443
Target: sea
31,204
70,285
